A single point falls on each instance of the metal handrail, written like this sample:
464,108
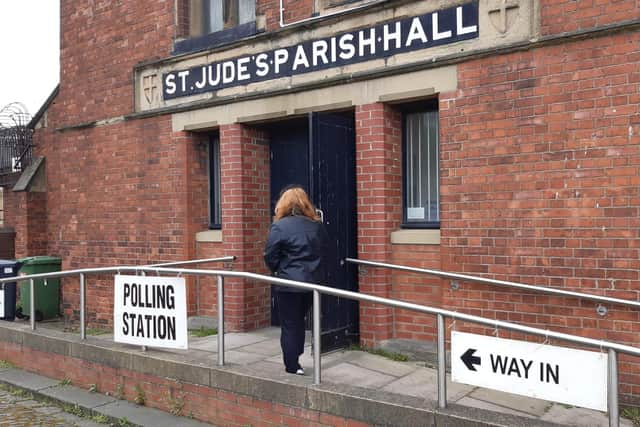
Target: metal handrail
317,290
194,261
504,283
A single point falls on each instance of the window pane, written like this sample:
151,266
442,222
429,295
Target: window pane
218,15
421,167
247,11
212,15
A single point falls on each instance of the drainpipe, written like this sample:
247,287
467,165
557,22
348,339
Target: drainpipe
313,18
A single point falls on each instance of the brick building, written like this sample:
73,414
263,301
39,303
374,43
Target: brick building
499,139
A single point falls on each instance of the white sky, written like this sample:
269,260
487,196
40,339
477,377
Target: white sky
29,51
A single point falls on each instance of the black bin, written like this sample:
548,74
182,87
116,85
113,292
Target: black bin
8,268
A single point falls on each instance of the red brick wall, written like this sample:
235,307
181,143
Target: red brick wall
26,213
14,207
244,154
418,289
202,403
378,171
294,10
101,42
117,195
540,177
566,15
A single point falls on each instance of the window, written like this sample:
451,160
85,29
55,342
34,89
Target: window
215,219
421,191
213,23
210,16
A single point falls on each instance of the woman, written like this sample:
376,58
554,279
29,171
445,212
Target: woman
295,250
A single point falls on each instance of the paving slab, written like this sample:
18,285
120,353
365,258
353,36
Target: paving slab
26,380
381,364
528,405
481,404
346,373
423,382
572,416
84,398
265,348
242,357
144,416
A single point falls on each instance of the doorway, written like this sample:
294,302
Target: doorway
317,152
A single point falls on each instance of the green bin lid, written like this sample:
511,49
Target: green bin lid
41,259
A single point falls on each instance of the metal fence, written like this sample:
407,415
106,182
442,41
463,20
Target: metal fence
15,140
318,290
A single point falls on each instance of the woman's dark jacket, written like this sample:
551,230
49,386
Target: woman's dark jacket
296,249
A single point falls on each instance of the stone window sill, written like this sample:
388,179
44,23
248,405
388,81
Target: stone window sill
415,237
209,236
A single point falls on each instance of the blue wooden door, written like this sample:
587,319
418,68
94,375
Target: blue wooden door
319,154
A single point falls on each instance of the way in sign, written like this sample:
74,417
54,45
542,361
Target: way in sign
514,366
565,375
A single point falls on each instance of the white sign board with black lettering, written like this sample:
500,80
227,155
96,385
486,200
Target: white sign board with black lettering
150,311
559,374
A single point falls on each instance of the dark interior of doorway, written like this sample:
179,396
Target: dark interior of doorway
317,151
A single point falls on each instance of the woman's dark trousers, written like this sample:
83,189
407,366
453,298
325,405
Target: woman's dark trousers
292,307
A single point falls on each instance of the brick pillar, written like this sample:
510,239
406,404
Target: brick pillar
244,154
379,193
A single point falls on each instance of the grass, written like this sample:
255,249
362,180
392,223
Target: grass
5,365
140,398
632,413
97,331
203,332
74,410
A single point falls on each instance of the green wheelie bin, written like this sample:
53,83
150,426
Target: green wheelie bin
47,294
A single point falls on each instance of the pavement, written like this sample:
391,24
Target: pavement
351,372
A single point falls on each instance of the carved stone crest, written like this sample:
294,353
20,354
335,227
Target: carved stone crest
150,88
503,14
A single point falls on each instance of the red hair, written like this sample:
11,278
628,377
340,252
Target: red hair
295,201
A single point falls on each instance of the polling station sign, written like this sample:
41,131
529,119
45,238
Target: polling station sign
560,374
150,311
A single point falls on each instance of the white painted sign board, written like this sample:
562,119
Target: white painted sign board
559,374
150,311
2,307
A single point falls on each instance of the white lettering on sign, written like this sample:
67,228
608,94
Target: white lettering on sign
150,311
559,374
449,25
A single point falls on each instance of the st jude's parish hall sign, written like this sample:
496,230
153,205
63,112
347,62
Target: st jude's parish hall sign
410,34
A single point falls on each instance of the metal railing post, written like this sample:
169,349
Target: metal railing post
442,364
317,375
83,297
614,415
220,321
32,302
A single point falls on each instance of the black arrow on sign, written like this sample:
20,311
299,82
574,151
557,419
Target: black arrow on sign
469,359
